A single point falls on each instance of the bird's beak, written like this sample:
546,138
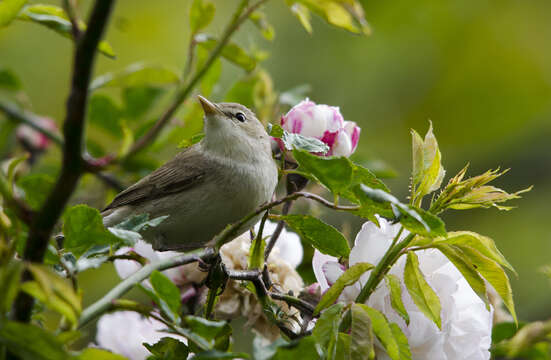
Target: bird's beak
208,107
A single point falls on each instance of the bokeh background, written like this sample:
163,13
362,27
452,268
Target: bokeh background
480,70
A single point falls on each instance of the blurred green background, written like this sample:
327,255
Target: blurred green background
480,70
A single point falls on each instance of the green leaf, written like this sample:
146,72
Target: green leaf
215,354
212,75
335,173
137,75
402,341
305,143
343,347
54,18
231,52
139,100
104,113
466,268
8,79
256,253
30,342
361,333
37,187
395,287
167,292
99,354
261,22
320,235
9,10
200,15
208,329
275,131
10,274
326,331
349,277
303,349
191,141
492,272
482,244
338,14
422,294
167,349
52,302
428,172
83,229
302,14
383,331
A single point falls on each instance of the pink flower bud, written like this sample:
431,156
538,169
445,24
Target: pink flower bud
325,123
35,140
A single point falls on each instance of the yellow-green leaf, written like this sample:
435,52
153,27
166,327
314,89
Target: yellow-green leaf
200,15
383,331
9,10
395,287
361,332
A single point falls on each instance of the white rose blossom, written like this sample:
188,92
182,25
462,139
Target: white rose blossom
124,333
466,323
324,123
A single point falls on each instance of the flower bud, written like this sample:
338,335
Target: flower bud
324,123
33,139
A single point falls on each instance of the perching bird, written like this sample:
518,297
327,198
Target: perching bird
211,184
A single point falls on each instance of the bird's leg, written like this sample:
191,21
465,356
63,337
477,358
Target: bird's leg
216,281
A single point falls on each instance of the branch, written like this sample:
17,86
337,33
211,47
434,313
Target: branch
105,303
238,18
72,168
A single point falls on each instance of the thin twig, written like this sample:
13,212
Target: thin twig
72,168
103,304
277,231
297,303
70,10
238,18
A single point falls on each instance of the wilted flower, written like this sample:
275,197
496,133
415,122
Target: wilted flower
466,323
124,333
325,123
33,139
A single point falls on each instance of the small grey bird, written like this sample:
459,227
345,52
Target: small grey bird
207,186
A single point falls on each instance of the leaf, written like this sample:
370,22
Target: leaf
208,329
99,354
104,113
295,95
83,229
9,10
54,18
139,100
335,13
191,141
349,277
8,79
212,75
275,131
167,349
343,347
361,333
10,274
256,253
52,302
137,75
395,287
302,14
402,340
30,342
303,349
37,188
493,273
326,331
320,235
305,143
231,52
422,294
334,173
261,22
167,292
215,354
200,15
428,172
383,331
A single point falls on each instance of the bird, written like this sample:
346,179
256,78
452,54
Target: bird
215,182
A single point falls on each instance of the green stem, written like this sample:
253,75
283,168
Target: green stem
390,257
105,303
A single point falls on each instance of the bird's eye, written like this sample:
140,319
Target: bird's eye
240,117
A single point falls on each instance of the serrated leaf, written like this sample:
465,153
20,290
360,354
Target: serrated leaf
493,273
37,188
200,15
422,294
231,52
383,331
136,75
326,331
395,287
167,349
349,277
361,333
83,229
320,235
167,292
30,342
54,18
9,10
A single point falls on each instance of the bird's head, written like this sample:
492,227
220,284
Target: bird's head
232,130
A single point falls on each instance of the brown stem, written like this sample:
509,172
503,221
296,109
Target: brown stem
72,167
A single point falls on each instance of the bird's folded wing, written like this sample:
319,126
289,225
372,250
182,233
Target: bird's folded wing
185,171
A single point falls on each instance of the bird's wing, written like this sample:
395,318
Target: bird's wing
185,171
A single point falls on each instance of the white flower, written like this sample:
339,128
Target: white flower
325,123
124,333
288,245
466,323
